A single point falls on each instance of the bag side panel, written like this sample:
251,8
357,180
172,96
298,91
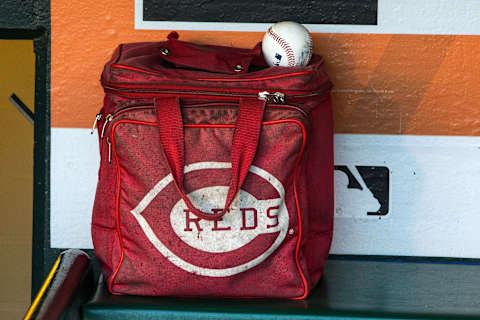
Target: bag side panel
103,221
104,228
319,190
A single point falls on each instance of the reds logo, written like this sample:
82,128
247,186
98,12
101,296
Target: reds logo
246,219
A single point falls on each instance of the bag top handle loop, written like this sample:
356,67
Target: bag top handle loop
173,35
244,146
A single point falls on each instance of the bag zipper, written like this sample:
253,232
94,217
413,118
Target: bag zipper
275,98
108,119
224,93
109,150
98,117
111,116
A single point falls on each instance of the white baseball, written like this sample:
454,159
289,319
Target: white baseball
287,44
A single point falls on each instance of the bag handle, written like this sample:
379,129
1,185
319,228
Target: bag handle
244,146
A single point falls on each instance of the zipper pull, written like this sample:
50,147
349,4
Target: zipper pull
107,120
276,97
97,118
109,150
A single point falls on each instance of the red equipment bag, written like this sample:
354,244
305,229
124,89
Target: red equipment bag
216,173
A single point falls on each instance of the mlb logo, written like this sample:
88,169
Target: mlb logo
362,191
277,60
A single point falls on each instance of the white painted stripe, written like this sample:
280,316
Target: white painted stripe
460,17
73,178
139,14
434,192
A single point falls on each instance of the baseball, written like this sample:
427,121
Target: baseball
287,44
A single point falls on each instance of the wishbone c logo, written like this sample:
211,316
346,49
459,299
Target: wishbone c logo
247,218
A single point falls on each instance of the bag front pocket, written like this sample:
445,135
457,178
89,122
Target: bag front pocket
162,237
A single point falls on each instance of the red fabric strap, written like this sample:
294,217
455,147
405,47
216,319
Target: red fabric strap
244,146
170,125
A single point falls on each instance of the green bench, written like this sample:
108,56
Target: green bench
349,289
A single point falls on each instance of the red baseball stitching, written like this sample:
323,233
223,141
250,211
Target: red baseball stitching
284,45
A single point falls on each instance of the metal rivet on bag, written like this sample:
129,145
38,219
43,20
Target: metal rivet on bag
238,68
165,51
291,231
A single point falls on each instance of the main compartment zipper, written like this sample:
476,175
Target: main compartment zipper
276,97
285,96
111,116
107,120
97,118
109,150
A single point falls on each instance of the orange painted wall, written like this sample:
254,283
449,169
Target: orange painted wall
387,84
